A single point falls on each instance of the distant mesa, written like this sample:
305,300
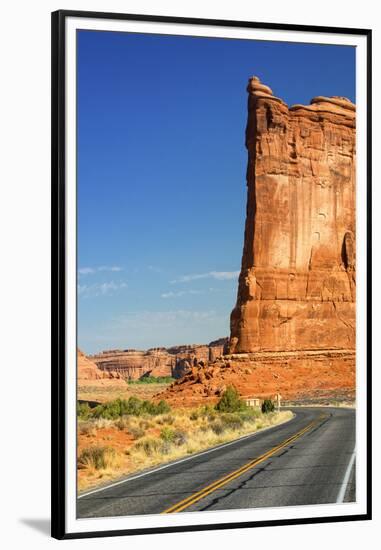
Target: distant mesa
175,361
88,371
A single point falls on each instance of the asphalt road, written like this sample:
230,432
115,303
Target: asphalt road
305,461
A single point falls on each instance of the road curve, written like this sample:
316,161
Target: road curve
308,460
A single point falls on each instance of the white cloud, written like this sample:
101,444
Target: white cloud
143,320
180,293
86,270
100,289
217,275
91,270
113,268
146,329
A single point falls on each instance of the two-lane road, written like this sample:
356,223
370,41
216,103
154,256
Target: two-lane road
309,460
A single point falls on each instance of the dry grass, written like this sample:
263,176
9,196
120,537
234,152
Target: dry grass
185,436
99,458
101,394
108,449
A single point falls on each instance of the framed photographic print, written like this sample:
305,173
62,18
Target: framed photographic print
211,274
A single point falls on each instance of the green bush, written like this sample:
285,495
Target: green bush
250,414
230,401
161,408
167,434
232,421
153,380
83,410
267,406
207,412
132,406
177,437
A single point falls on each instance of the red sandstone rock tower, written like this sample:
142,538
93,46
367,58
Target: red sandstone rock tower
297,283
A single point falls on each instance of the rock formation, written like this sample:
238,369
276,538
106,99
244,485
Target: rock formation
300,376
88,371
293,326
297,282
132,364
175,361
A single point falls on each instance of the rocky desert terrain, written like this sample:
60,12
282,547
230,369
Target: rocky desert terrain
293,328
293,325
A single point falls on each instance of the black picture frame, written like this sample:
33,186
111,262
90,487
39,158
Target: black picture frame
58,318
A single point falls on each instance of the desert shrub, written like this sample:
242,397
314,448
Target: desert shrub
207,412
122,424
132,406
167,434
180,438
250,414
161,408
165,448
100,423
83,410
86,428
230,401
267,406
136,432
232,421
194,415
217,428
111,410
153,380
149,445
177,437
145,424
169,419
97,457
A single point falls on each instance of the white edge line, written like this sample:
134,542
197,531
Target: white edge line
154,470
344,483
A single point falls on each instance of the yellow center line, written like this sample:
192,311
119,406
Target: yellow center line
195,497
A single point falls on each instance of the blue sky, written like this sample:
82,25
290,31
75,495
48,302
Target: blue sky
161,176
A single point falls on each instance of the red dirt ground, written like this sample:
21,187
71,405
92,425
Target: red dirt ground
307,376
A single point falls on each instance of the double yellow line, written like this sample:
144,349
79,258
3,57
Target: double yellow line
195,497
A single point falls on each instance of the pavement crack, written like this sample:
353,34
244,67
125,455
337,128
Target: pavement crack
220,498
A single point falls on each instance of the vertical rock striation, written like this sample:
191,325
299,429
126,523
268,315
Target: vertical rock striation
175,361
297,282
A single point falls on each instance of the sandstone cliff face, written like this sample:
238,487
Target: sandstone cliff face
190,356
133,364
174,361
89,371
297,282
